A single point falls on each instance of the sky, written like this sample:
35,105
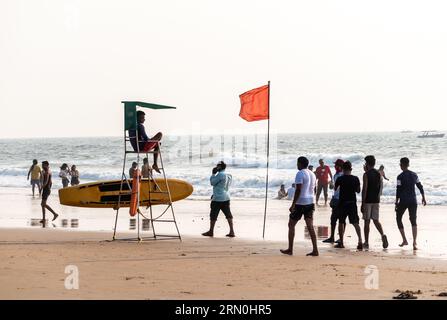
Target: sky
334,66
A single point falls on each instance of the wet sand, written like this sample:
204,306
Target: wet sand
21,210
34,259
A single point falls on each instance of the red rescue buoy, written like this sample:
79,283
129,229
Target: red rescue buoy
134,196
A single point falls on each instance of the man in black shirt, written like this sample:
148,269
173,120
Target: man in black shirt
406,199
372,185
349,185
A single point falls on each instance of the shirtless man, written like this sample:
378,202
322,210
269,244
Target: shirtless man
46,190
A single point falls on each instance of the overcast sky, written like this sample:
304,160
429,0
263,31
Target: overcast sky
65,65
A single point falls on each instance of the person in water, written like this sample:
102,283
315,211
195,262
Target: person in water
74,176
406,199
282,193
382,172
63,174
303,205
220,199
145,144
35,171
46,191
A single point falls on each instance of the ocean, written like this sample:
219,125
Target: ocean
192,158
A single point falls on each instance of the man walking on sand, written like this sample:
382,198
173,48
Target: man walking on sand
349,185
406,199
46,190
323,172
372,186
303,205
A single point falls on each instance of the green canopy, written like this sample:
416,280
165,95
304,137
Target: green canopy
130,112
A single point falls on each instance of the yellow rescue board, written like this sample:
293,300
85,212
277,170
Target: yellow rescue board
107,194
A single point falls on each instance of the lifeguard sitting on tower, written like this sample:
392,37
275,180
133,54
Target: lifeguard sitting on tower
145,144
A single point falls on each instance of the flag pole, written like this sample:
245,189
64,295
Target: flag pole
268,153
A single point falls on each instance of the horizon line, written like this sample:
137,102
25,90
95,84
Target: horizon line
217,134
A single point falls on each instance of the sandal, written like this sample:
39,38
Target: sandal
405,295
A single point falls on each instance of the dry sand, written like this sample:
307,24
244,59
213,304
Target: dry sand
33,262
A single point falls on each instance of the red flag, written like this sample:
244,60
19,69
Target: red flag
255,104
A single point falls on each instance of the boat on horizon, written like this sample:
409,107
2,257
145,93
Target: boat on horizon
431,134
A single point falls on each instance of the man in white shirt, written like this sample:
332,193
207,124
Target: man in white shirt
303,204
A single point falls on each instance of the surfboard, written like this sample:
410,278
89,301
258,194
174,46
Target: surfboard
106,194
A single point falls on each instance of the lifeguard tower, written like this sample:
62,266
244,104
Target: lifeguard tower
157,190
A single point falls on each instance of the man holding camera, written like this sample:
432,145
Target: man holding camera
220,199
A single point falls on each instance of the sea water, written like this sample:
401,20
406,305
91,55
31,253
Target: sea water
192,158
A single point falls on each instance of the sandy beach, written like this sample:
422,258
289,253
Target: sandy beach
34,259
33,264
250,100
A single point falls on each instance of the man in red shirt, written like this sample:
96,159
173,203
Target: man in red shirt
323,172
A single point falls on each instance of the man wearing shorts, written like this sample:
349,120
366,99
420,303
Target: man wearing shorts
406,199
145,144
334,201
323,172
302,205
347,208
372,186
220,199
46,190
35,172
